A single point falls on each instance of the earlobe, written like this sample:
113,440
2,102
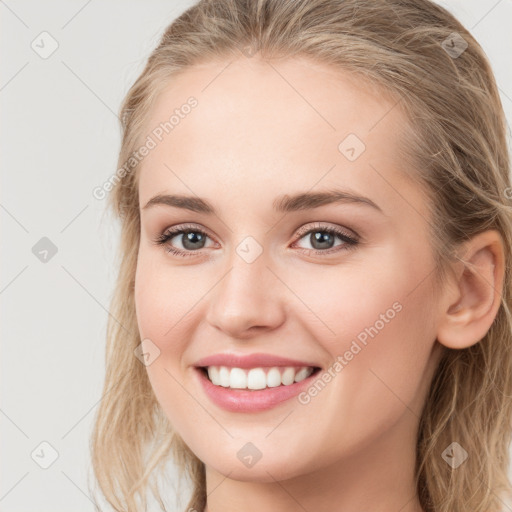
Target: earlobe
471,302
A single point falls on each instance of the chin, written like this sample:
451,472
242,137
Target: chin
267,469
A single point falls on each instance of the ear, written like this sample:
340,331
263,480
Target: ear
471,300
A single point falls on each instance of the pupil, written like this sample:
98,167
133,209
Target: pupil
191,238
325,240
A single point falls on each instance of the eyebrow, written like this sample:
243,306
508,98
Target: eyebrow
285,203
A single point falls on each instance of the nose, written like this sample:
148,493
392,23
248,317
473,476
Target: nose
249,299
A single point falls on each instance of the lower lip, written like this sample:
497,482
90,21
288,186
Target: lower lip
244,400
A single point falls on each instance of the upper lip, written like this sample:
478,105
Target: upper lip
250,361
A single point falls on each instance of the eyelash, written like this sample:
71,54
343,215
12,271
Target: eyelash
349,242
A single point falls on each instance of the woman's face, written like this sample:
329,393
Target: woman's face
273,265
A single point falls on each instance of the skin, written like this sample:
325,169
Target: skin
260,131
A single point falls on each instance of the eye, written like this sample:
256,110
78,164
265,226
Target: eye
321,237
192,239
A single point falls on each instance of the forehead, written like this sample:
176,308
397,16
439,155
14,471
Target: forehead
263,127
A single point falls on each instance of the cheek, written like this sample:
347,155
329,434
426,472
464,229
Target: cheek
360,302
164,302
379,327
380,322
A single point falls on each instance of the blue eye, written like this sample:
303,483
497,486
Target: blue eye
193,239
191,236
323,237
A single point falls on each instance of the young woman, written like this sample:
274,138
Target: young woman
313,304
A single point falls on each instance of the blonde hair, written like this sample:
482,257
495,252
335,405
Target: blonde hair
457,150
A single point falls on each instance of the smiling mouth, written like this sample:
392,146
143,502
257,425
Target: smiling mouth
257,378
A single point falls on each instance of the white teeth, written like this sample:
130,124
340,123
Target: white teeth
223,377
288,376
302,374
257,378
273,378
237,378
213,375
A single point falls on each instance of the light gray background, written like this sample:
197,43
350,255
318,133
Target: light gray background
59,140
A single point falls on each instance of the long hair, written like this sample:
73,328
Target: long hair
419,54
